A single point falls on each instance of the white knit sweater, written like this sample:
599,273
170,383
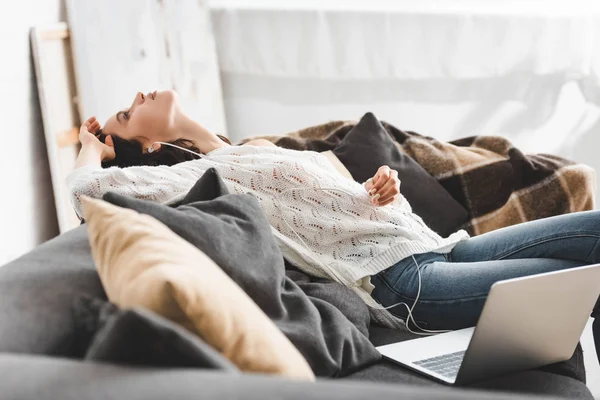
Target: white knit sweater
344,236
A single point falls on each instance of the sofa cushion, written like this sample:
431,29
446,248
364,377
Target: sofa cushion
37,377
142,263
564,379
37,292
533,382
368,146
140,337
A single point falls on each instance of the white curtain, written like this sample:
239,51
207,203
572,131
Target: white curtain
528,70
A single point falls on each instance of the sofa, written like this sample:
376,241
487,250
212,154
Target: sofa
38,333
45,336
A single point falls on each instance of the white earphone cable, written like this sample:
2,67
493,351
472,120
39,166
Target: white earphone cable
410,317
150,149
410,309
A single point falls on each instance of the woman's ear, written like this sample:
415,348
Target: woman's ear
153,147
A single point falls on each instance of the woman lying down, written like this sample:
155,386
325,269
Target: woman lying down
364,236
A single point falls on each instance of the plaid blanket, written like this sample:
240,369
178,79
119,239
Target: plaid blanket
497,183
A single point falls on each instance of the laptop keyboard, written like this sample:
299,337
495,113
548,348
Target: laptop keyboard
446,365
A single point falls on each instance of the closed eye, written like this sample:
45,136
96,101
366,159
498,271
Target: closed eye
123,115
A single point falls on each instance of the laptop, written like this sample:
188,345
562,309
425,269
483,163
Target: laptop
526,323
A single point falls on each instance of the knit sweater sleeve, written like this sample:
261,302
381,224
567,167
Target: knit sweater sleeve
326,162
162,184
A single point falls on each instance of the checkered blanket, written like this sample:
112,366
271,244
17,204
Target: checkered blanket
497,183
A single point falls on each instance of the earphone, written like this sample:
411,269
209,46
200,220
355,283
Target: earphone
150,149
332,272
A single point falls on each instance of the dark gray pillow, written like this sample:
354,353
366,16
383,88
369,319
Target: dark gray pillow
233,231
368,146
140,337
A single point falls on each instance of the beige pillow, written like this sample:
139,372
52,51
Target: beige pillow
143,263
337,164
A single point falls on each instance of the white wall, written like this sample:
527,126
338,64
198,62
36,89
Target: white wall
27,215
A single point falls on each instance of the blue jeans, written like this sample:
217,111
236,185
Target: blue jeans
455,285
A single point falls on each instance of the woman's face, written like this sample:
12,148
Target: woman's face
150,118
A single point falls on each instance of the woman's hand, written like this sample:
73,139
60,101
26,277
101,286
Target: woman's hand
90,143
384,187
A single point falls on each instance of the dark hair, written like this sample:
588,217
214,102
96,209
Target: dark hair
130,153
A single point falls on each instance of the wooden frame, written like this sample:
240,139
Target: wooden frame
51,51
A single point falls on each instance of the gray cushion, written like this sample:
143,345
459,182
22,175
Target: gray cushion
35,377
37,292
141,337
234,232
